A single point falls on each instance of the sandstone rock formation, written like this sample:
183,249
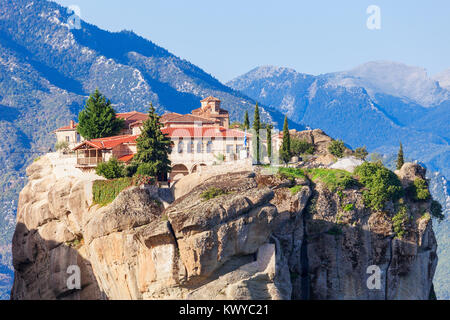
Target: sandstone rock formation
258,240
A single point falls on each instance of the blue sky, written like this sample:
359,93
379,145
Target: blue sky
229,38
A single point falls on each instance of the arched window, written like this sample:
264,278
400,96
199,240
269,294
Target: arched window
209,147
199,147
180,147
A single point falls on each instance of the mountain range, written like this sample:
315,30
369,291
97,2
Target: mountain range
47,70
378,104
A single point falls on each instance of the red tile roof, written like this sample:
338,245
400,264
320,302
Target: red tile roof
189,118
67,128
206,132
107,143
210,98
126,158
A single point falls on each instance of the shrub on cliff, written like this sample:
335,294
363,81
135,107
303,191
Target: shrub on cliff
436,210
381,184
334,179
337,148
418,190
112,169
299,146
212,193
105,191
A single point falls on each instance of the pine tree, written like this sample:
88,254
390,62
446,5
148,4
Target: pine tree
153,147
246,121
256,128
285,152
400,159
269,141
98,118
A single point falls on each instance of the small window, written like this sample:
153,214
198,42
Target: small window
209,147
190,147
230,148
67,139
200,147
180,147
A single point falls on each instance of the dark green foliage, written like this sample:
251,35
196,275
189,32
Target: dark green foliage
246,121
269,141
212,193
147,169
399,222
105,191
436,210
418,190
337,148
299,146
335,230
153,147
256,128
111,169
381,184
98,118
361,153
285,150
400,158
130,170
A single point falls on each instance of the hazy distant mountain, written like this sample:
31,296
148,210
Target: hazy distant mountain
47,71
377,104
443,78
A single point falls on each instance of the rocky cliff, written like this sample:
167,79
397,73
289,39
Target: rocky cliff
267,236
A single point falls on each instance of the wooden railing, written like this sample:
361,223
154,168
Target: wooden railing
90,161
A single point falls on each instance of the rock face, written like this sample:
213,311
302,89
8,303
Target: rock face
257,240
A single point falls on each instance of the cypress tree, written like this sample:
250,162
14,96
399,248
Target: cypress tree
269,141
285,152
153,147
246,121
98,118
400,158
257,127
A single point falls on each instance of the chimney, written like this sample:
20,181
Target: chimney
72,124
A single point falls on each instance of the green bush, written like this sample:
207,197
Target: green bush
418,190
299,146
361,153
212,193
349,207
399,222
147,169
334,179
105,191
111,169
291,172
62,146
381,184
296,189
337,148
130,170
436,210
